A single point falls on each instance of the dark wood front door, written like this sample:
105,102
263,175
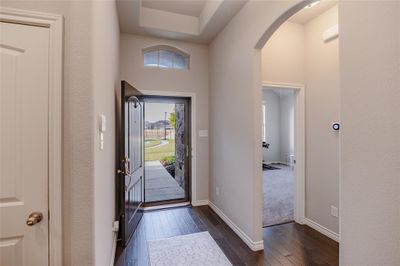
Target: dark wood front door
130,185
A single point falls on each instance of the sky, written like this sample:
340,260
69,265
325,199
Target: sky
155,111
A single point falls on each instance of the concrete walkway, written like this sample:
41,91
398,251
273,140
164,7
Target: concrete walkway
163,143
159,184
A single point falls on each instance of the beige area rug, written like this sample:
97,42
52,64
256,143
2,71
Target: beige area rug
197,249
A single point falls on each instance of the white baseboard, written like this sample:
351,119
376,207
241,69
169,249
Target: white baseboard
197,203
253,245
323,230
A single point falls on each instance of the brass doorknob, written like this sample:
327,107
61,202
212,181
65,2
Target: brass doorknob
34,218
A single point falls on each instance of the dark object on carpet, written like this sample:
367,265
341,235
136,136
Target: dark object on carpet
269,167
265,145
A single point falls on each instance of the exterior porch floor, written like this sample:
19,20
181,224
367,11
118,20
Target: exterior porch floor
159,184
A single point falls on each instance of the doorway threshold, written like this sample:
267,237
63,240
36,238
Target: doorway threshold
166,206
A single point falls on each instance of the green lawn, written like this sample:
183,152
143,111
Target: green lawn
158,153
151,143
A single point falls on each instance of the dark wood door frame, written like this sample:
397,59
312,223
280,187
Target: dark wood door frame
188,129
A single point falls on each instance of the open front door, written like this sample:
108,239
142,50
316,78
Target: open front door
130,162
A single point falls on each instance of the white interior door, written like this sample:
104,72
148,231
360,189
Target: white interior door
24,127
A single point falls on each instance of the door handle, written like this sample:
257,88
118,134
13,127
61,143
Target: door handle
34,218
125,167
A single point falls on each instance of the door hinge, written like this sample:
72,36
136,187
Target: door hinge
48,214
188,151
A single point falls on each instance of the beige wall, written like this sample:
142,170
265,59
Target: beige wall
369,96
80,191
194,80
287,104
297,54
322,109
279,121
369,139
272,125
370,143
235,106
105,83
284,54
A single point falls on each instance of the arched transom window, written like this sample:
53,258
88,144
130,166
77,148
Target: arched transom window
163,56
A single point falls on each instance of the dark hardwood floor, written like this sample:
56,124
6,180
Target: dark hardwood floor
287,244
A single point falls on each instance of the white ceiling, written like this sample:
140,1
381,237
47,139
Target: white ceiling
187,20
307,14
191,20
184,7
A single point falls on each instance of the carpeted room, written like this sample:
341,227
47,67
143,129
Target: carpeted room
278,155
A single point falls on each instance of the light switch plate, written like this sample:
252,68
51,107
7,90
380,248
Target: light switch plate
102,126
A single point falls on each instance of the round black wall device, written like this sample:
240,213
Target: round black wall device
336,126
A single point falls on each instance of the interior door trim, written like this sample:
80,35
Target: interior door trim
55,23
299,147
192,96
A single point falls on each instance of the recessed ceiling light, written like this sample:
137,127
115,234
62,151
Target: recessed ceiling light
312,4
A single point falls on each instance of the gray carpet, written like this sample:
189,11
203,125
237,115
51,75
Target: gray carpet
278,190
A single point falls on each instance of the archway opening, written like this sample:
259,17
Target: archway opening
300,53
